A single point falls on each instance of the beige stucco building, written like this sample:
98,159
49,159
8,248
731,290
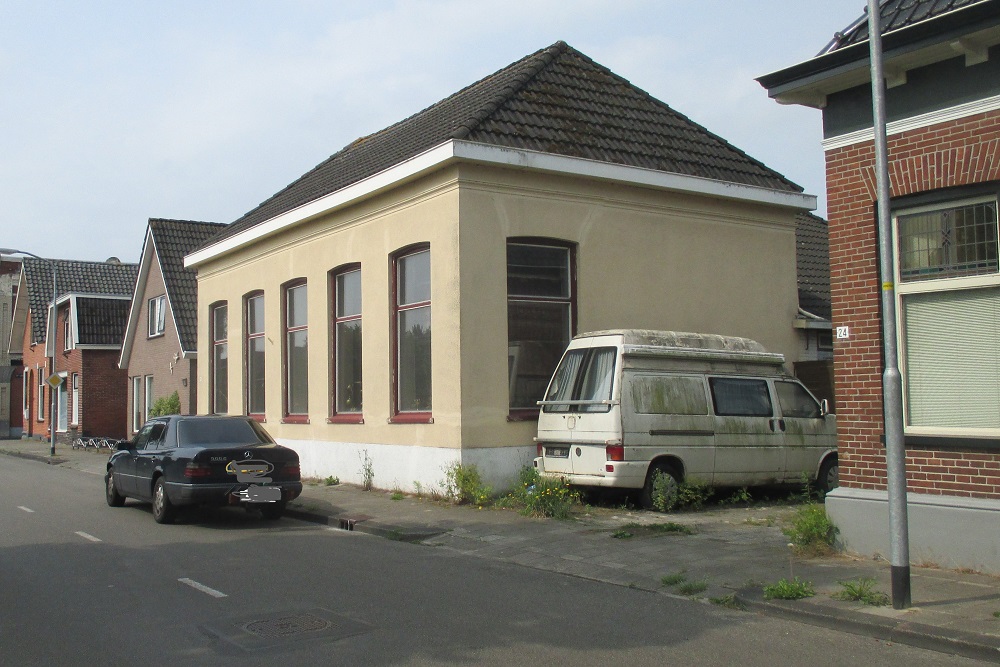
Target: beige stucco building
406,314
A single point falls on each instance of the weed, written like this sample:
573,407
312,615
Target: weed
397,495
809,492
463,484
996,614
367,470
766,521
673,579
729,602
418,488
811,530
541,496
621,534
331,481
633,585
692,587
862,590
395,535
669,495
643,529
739,497
796,589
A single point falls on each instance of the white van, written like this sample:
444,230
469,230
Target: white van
719,410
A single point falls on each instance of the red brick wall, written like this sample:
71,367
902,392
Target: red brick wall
961,152
105,394
33,357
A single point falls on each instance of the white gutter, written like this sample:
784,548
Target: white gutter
466,151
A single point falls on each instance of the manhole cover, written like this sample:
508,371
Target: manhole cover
286,625
281,629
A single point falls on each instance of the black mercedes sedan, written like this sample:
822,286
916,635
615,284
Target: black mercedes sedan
194,460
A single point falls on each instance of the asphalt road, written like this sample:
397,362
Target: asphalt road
82,583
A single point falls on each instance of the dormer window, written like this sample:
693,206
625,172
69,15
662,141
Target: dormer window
157,315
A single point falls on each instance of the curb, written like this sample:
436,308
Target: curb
941,640
361,524
52,461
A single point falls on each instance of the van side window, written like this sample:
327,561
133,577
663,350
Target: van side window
795,401
583,375
669,395
738,397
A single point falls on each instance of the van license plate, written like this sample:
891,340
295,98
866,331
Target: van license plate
557,452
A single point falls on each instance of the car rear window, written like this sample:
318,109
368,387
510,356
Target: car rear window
218,433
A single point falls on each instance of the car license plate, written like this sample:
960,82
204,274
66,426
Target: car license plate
263,494
557,452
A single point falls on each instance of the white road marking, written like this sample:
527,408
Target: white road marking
88,536
26,509
202,587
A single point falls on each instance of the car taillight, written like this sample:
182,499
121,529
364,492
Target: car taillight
540,450
192,470
292,469
615,452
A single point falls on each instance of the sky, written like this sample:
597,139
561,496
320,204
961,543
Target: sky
114,112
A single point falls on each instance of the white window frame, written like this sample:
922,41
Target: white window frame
157,315
40,399
67,333
137,411
927,286
147,397
76,399
26,394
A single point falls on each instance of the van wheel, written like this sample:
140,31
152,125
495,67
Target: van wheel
829,475
667,497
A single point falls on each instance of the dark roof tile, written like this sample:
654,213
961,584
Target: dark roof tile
556,100
895,15
101,321
812,258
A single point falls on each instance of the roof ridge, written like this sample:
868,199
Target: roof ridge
533,65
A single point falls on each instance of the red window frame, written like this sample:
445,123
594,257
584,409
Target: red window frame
337,417
398,416
216,342
287,416
248,337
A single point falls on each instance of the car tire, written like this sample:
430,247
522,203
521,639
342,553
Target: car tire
272,511
646,495
111,494
163,510
829,475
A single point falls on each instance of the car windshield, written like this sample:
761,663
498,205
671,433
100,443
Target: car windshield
218,433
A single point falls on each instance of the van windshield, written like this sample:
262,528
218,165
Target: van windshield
582,383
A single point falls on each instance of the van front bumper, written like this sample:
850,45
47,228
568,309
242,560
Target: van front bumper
626,475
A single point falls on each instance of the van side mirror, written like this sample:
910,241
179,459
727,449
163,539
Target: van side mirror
824,408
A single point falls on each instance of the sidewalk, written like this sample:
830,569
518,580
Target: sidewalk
732,553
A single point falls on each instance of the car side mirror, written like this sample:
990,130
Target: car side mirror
824,408
123,445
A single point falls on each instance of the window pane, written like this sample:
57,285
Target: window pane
414,371
960,241
296,305
742,398
255,375
298,372
349,294
951,346
565,377
414,278
255,314
349,366
220,323
538,334
596,382
220,366
669,395
795,401
537,271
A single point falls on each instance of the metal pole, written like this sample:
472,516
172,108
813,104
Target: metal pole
53,390
892,384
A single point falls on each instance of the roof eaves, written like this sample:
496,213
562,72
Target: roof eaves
132,324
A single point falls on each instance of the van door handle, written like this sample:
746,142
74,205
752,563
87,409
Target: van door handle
779,423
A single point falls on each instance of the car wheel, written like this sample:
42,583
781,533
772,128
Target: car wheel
163,510
272,511
111,494
829,475
647,499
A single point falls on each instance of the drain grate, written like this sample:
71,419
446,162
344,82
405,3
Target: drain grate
277,630
286,625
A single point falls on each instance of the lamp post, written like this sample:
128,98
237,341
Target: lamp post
51,338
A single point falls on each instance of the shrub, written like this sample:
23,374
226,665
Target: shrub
669,496
463,484
166,405
811,530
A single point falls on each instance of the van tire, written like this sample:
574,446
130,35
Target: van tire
646,495
829,475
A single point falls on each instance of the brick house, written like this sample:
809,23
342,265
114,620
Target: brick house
942,64
11,377
159,350
550,198
91,311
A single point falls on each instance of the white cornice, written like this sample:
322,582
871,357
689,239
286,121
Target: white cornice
915,122
465,151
